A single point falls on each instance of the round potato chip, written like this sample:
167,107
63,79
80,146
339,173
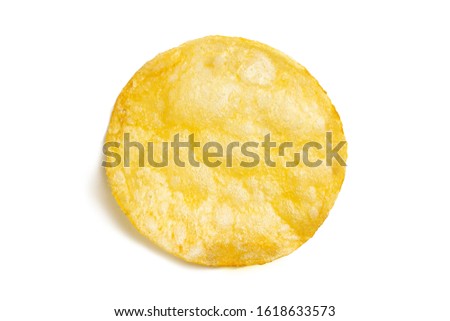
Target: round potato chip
172,170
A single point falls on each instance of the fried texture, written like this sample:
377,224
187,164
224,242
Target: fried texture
225,89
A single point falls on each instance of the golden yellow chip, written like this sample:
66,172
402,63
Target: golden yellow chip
225,152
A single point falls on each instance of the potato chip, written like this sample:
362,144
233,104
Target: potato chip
243,206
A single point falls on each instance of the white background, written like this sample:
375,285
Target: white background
68,253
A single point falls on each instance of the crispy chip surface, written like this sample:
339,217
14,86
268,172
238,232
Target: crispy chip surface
225,90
